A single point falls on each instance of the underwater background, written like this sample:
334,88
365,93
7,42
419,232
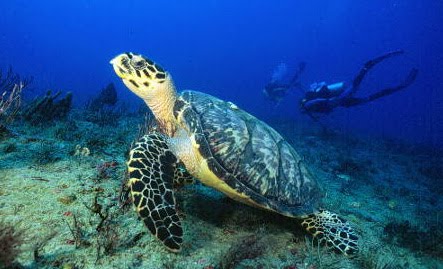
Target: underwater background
62,157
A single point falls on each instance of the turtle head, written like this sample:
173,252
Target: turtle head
142,76
149,81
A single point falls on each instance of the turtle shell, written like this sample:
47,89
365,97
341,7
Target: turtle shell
249,155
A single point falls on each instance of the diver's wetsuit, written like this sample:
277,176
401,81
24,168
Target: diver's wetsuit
320,104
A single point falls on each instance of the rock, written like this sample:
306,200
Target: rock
67,200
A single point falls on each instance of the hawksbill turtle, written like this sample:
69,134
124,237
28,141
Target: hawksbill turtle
225,148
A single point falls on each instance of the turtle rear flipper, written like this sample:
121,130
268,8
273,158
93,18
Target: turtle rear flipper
151,168
332,230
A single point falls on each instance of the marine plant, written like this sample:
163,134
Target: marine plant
10,102
11,88
77,231
108,237
106,234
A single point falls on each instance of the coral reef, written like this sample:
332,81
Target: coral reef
47,108
106,97
102,109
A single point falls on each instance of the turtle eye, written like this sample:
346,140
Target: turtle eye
138,64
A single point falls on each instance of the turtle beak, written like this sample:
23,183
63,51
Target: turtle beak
119,67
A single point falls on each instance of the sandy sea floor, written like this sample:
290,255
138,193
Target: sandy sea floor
65,202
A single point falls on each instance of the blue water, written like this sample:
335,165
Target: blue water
229,49
369,158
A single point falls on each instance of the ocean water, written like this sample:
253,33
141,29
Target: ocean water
66,135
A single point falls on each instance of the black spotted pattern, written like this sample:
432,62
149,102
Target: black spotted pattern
182,177
152,171
160,75
151,71
147,75
133,83
333,231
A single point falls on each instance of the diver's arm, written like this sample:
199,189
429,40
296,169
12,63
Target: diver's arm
319,105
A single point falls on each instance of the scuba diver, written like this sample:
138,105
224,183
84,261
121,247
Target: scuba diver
277,88
323,98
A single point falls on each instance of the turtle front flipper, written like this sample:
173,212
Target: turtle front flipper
151,168
182,177
332,230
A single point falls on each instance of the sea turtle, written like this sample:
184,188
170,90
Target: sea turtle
225,148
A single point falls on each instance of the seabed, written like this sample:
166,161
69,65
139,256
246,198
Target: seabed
61,187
